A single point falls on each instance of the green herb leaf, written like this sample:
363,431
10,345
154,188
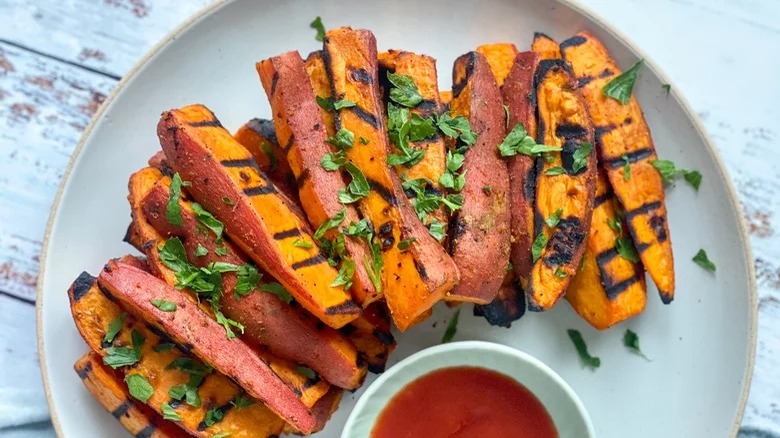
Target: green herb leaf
138,341
346,272
358,188
165,306
453,202
173,254
693,177
173,209
625,248
221,250
227,201
538,246
458,128
667,88
363,140
273,160
509,267
188,365
436,229
333,161
343,103
519,142
622,85
208,220
188,391
702,260
325,103
404,91
163,347
213,416
344,139
299,243
560,273
421,128
169,413
228,324
554,218
318,26
404,244
615,225
247,279
666,168
328,104
580,156
555,170
139,387
452,328
582,349
222,435
278,290
119,357
631,341
626,167
201,251
241,401
306,372
487,190
114,327
330,224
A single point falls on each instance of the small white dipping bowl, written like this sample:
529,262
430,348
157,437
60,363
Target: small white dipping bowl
565,408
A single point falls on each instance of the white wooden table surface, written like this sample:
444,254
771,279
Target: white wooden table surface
60,58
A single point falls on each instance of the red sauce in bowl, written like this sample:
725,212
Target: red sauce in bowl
464,402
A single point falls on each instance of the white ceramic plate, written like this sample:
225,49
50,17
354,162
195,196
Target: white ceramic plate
701,346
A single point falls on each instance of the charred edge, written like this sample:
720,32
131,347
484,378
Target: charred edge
614,290
532,306
377,367
364,116
529,184
166,169
247,162
658,225
121,409
564,241
311,261
348,307
570,131
538,217
260,190
457,229
633,157
264,127
383,191
568,150
538,35
224,409
211,123
643,209
600,131
290,142
146,432
503,311
303,178
297,392
574,41
84,372
641,247
606,73
547,66
427,106
666,297
326,60
470,59
385,235
583,81
602,198
361,75
82,285
421,270
107,293
384,83
605,257
348,329
386,338
128,234
311,381
274,82
293,232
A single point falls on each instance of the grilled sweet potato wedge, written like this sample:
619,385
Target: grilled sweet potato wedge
518,98
372,336
267,320
422,70
563,121
415,279
479,231
446,98
260,220
507,307
501,57
259,137
607,289
301,129
188,325
93,312
111,392
621,131
320,85
546,47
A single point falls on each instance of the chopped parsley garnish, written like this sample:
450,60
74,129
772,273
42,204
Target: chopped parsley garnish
580,156
399,130
278,290
188,391
451,179
667,88
159,348
452,328
319,27
622,85
553,219
631,341
457,128
625,248
582,349
221,250
165,306
702,260
614,224
555,170
436,229
213,416
358,188
173,209
626,167
519,142
228,324
201,251
273,160
363,140
247,279
538,246
404,91
487,190
227,201
404,244
169,413
328,104
362,229
693,177
114,327
344,139
560,273
139,387
125,356
333,161
208,220
241,401
330,224
306,372
300,243
346,272
669,171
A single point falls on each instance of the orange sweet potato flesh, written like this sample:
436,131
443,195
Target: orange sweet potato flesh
479,231
446,98
621,130
415,279
517,92
258,136
301,129
563,121
501,57
546,47
262,221
320,85
107,387
607,289
188,325
93,311
422,70
372,337
267,320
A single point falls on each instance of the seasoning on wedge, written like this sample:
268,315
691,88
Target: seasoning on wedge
414,279
258,136
501,57
372,336
479,230
261,220
623,135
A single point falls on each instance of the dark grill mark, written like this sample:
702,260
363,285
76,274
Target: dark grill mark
376,367
361,75
644,208
565,240
146,432
641,247
567,157
529,183
289,144
457,87
82,285
383,191
428,105
606,73
613,290
121,409
83,373
246,162
346,308
421,270
385,235
303,178
311,381
457,230
260,190
602,198
570,131
264,127
658,224
311,261
364,115
274,82
175,403
213,123
574,41
605,257
292,232
583,81
386,338
633,157
600,131
128,234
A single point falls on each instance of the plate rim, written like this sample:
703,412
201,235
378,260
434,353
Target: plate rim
587,12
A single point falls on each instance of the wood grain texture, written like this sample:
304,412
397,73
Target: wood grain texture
80,47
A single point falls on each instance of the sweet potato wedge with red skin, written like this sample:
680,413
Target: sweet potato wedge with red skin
622,131
563,121
188,325
517,92
479,231
546,47
258,136
415,279
160,162
320,85
501,57
302,131
93,312
372,337
267,320
508,305
111,392
261,221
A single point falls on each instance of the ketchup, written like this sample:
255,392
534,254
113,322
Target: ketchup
464,402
